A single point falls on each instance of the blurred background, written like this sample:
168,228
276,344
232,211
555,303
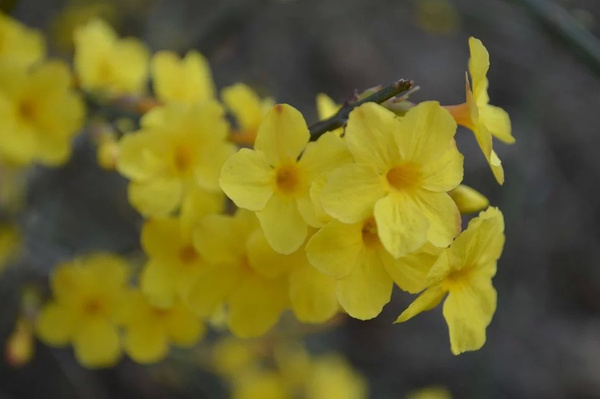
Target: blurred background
544,341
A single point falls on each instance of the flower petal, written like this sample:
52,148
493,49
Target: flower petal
365,291
370,136
313,295
428,300
157,197
284,227
145,343
497,122
445,173
401,225
248,179
159,283
443,216
183,326
55,324
479,63
335,248
97,344
212,289
410,272
351,192
282,135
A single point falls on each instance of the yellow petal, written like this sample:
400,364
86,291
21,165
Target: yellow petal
183,326
335,248
313,295
221,239
468,200
146,343
267,261
479,63
245,104
445,173
428,300
248,179
443,216
324,155
367,288
186,80
139,158
284,227
497,122
282,135
326,107
468,310
159,283
55,324
97,344
370,136
426,133
410,272
161,238
401,225
256,305
351,192
207,172
158,197
210,291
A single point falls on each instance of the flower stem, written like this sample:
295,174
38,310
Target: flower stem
340,118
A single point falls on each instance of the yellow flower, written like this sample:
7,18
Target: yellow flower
249,281
105,63
179,148
333,377
184,80
402,171
272,181
438,17
20,45
478,115
10,244
260,384
231,356
464,271
174,264
39,113
248,109
20,345
364,269
87,294
148,329
468,199
326,108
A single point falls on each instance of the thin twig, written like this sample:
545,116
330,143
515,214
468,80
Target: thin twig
558,21
340,118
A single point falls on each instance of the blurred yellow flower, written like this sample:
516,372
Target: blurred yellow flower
20,45
149,329
179,148
184,80
437,16
74,15
434,392
20,344
478,115
248,109
275,178
249,281
260,384
333,377
174,264
88,292
104,63
39,113
464,271
327,108
402,171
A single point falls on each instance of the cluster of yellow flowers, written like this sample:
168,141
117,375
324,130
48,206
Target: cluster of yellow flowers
324,224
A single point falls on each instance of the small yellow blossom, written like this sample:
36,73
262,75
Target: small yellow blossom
105,63
364,269
108,150
464,271
231,356
274,179
87,295
248,109
260,384
20,45
76,14
39,113
438,17
402,171
174,264
478,115
148,329
179,148
21,343
468,199
251,282
184,80
333,377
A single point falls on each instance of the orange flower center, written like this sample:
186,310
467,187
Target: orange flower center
369,234
188,254
404,177
183,159
93,307
288,179
26,110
